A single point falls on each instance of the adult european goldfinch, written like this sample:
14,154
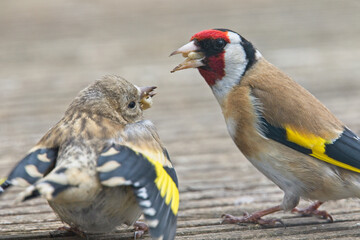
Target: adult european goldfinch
103,165
283,130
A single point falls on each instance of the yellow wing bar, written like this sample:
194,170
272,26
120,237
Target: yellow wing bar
318,147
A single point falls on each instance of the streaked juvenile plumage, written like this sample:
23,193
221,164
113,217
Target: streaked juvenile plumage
102,164
281,128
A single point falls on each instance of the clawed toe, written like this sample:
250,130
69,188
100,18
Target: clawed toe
229,219
256,217
140,229
73,230
307,213
324,215
312,210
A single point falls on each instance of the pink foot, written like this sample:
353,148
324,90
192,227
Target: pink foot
229,219
256,217
140,229
73,230
312,210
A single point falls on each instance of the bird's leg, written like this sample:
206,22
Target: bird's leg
254,218
312,210
75,230
140,228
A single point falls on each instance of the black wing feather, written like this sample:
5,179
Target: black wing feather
141,173
35,158
343,152
345,149
279,134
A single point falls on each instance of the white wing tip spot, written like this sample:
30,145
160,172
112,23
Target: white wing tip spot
42,157
33,171
142,193
153,223
108,166
116,181
110,152
145,203
150,211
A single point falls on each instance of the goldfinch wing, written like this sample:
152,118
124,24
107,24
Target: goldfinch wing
31,168
289,114
343,152
155,186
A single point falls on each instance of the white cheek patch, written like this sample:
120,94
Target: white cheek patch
235,61
235,58
235,64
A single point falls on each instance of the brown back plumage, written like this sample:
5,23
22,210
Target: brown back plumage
284,102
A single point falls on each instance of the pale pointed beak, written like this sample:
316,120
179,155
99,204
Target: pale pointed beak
146,94
194,58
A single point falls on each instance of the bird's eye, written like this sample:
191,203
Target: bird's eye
219,44
132,104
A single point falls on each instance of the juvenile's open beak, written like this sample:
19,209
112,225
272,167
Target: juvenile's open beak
147,91
146,94
192,54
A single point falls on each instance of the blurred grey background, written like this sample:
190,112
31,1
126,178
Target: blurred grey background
50,50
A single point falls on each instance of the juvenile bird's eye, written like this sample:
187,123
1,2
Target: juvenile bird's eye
219,44
132,104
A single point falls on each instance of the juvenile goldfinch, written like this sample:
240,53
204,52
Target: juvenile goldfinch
283,130
103,165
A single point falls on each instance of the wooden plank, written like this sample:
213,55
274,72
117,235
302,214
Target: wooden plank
50,50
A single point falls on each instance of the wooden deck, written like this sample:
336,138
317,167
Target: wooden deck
50,50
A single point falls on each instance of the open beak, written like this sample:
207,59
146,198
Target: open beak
146,94
147,91
194,58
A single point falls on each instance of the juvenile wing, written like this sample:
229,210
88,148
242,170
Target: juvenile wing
31,168
155,186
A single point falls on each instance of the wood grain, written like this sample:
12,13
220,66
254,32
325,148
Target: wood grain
50,50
